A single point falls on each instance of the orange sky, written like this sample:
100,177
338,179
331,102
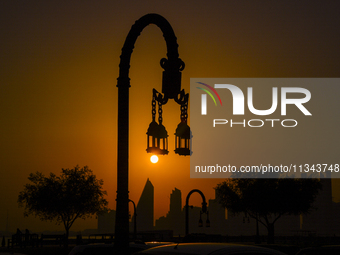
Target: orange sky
58,70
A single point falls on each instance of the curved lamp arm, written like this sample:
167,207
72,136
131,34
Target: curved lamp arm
172,66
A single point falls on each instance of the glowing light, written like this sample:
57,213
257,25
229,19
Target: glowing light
154,159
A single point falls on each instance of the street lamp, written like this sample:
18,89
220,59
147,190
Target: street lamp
204,210
135,220
157,137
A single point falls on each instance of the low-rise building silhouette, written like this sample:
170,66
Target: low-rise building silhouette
106,222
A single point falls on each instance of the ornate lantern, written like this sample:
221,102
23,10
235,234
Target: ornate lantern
207,223
200,221
182,142
152,140
204,210
183,134
157,136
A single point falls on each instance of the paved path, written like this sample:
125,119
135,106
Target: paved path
8,253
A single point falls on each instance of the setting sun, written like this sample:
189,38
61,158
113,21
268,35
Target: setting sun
154,159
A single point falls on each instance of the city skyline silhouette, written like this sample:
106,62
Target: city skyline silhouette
318,222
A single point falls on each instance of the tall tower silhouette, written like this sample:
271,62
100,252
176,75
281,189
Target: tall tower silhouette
176,218
176,201
145,208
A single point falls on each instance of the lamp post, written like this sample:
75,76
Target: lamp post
171,88
204,210
135,220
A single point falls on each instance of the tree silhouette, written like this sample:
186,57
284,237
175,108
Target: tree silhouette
76,193
266,200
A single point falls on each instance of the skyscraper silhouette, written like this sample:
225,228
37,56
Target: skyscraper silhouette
175,214
145,208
